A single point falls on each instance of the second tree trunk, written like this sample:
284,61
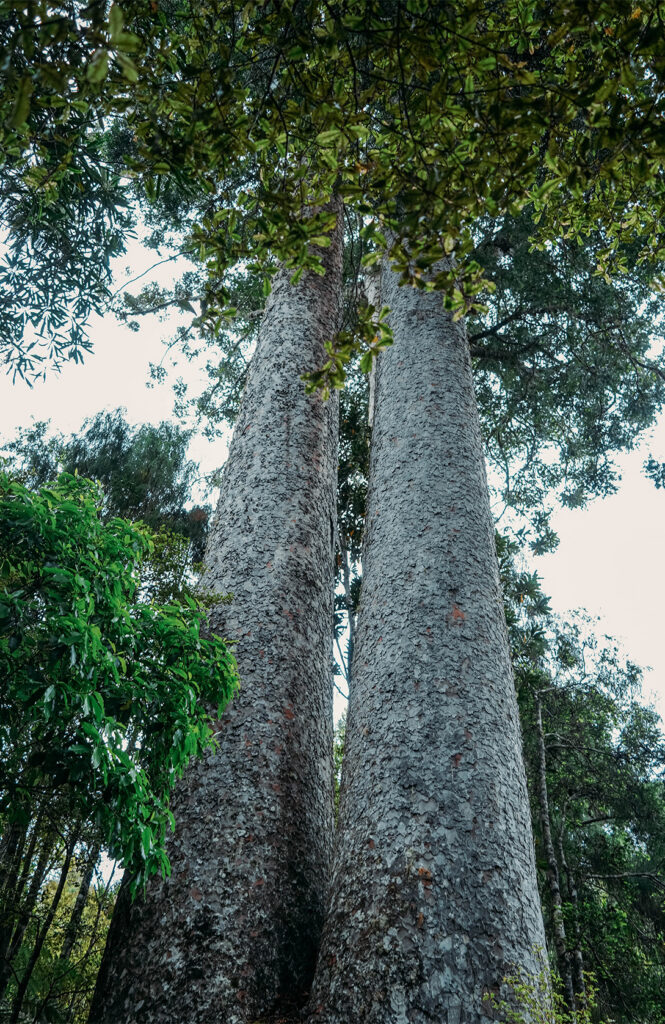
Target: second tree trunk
434,897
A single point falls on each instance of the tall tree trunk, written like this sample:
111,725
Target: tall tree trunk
232,935
553,879
434,897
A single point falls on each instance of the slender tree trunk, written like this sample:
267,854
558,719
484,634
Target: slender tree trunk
74,923
434,897
63,966
553,880
578,957
11,845
25,904
41,934
11,852
232,935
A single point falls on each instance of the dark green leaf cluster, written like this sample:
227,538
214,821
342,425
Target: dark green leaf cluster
106,695
655,470
62,206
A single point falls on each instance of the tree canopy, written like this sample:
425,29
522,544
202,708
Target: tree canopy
425,118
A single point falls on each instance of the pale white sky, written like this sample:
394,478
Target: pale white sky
611,559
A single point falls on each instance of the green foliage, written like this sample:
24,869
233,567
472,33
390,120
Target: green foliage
106,695
539,1001
427,120
352,476
226,345
51,938
655,470
62,979
566,366
63,208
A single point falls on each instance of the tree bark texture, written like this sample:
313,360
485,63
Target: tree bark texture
232,935
434,896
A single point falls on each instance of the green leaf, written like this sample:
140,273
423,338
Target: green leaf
128,67
21,110
128,41
98,67
366,362
116,22
329,136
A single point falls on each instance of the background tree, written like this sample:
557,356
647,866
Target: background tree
63,978
105,701
144,471
597,754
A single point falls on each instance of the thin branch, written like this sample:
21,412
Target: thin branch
133,280
658,882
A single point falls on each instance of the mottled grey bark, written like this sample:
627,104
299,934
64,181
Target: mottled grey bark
232,935
434,897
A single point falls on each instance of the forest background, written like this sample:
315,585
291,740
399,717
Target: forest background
635,517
